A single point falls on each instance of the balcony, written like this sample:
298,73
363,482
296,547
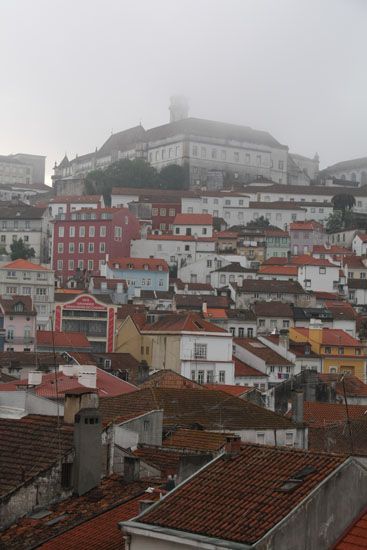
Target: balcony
19,340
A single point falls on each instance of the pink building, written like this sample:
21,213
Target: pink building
17,323
82,239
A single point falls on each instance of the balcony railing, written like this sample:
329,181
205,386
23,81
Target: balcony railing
25,340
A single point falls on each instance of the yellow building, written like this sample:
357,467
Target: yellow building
339,351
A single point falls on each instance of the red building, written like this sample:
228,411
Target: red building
164,212
81,239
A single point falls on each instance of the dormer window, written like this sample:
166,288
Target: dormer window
146,267
19,307
160,268
130,266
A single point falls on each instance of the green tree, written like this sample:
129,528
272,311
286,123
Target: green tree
335,222
21,250
259,223
343,202
174,176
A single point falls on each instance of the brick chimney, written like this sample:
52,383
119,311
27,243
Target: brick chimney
87,466
233,444
75,400
297,406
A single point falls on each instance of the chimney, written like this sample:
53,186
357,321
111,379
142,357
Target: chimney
87,375
284,338
297,406
311,383
87,466
75,400
34,378
233,444
205,308
144,505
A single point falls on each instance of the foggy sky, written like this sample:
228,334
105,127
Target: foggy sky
74,70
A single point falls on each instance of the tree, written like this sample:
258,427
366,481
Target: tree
174,176
335,222
259,223
21,250
343,202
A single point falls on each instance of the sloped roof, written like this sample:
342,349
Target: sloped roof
352,164
235,390
193,219
290,270
213,410
25,265
167,378
29,446
243,498
310,260
242,369
271,287
356,536
354,387
107,385
234,267
195,440
182,322
21,212
122,141
256,347
211,128
10,302
62,339
82,521
342,311
195,301
317,414
305,226
272,309
66,199
331,337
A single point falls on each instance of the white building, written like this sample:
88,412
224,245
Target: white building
191,346
28,279
70,203
196,225
175,249
359,244
317,274
354,170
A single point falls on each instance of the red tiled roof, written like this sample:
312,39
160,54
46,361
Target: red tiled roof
254,346
164,459
237,391
167,378
11,301
193,219
272,309
215,313
171,237
196,440
62,339
362,236
333,249
241,369
318,414
354,262
107,385
354,387
83,521
305,226
356,536
342,311
241,499
226,234
290,270
319,295
183,322
153,264
25,265
309,260
275,260
331,337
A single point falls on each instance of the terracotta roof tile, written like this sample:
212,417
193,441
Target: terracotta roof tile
62,339
272,309
325,414
196,440
241,369
258,348
237,391
241,499
183,322
167,378
305,226
331,337
25,265
193,219
290,270
152,264
356,536
188,407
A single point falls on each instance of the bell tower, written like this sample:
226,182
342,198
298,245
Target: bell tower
179,108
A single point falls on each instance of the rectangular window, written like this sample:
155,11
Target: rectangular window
194,154
118,232
90,247
154,211
203,153
80,264
102,247
289,439
71,265
327,349
261,322
200,351
61,231
322,270
281,165
82,231
241,332
172,212
201,377
236,156
59,266
222,376
91,231
90,265
71,231
260,438
81,248
209,377
60,248
193,375
102,231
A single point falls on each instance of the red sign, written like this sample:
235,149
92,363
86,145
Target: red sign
85,302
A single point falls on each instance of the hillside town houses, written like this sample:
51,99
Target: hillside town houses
205,342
